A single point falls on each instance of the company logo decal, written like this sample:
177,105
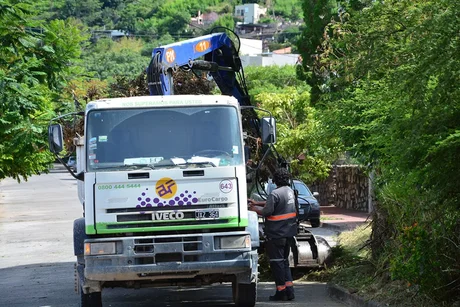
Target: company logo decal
166,188
170,55
184,198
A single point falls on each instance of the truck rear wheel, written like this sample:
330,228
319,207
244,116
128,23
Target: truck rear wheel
91,299
244,295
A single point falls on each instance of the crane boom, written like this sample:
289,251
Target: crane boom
221,59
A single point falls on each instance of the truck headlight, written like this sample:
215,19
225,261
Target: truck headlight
235,242
100,248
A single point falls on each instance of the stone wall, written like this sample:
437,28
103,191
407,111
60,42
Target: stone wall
326,189
346,187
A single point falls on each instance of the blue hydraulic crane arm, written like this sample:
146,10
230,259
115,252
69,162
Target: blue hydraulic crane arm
216,54
220,59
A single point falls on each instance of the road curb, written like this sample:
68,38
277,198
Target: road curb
343,295
343,227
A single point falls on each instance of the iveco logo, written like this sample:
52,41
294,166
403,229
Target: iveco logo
161,216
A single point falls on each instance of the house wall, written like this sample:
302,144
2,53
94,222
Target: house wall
249,12
285,59
272,59
250,46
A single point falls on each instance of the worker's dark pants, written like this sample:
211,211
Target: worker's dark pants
278,253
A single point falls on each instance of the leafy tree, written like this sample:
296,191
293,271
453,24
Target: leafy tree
135,12
32,64
173,17
89,11
396,65
317,14
112,59
226,21
163,40
290,36
272,79
47,10
288,9
266,20
159,18
301,133
226,7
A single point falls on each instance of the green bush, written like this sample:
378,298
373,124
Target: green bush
425,250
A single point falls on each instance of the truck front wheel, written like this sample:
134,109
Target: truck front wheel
90,299
244,295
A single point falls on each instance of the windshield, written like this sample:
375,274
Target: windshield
163,137
302,188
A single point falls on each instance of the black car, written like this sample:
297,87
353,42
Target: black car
309,209
72,163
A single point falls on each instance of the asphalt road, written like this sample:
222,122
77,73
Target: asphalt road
36,255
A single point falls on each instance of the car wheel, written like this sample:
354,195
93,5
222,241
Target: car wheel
315,223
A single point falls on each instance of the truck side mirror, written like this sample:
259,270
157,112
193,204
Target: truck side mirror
268,127
55,138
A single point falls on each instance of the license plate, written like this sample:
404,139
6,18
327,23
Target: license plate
301,211
207,214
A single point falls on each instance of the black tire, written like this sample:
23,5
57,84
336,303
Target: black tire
315,223
244,295
79,236
91,299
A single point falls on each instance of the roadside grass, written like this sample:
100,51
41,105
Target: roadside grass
352,267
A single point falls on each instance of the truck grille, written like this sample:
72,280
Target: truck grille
153,250
131,219
145,216
158,224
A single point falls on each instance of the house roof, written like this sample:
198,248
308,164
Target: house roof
283,51
213,16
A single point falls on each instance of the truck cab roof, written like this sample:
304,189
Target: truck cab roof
161,101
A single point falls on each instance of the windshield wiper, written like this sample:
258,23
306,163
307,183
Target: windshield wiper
171,163
198,163
141,165
124,166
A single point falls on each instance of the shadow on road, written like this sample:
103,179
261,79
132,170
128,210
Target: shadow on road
43,284
52,284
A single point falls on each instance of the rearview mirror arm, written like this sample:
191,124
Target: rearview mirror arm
79,176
